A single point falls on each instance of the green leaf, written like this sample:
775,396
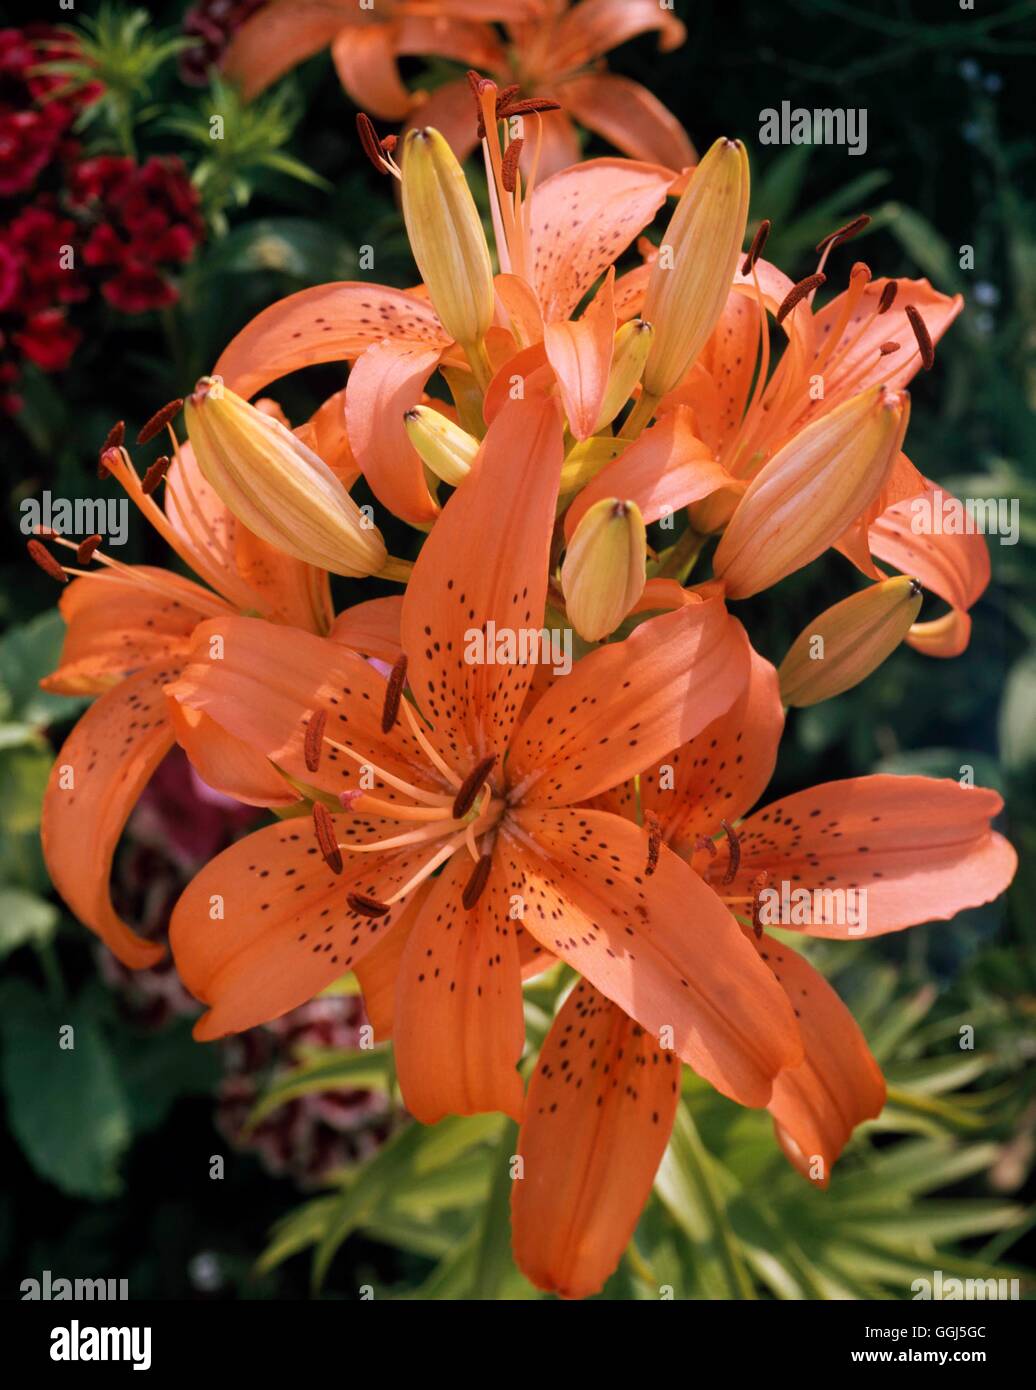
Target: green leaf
325,1071
27,654
24,917
1018,715
493,1259
65,1105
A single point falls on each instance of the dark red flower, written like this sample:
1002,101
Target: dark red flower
137,288
49,340
212,23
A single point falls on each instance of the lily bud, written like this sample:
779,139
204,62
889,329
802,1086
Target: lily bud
847,642
605,567
276,486
692,276
630,353
446,236
811,491
443,446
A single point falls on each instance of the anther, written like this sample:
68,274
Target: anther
324,827
798,292
888,294
654,829
756,248
476,884
886,348
159,420
367,906
471,786
85,549
527,106
509,165
46,561
924,338
844,233
154,475
733,852
369,141
115,437
314,740
393,695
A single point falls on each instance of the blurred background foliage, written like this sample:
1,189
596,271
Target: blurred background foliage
107,1152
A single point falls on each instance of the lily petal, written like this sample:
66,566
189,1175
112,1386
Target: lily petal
598,1117
224,762
817,1105
921,847
674,675
283,35
594,27
386,381
485,560
372,628
364,56
460,1027
328,323
663,948
582,219
580,351
265,925
629,117
108,757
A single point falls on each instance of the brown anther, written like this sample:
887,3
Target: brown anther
115,437
653,826
509,165
886,348
313,743
844,233
507,94
888,294
733,852
45,560
367,906
527,106
476,884
324,827
798,293
924,338
471,786
85,549
154,475
758,884
756,248
707,843
159,420
389,143
370,142
393,695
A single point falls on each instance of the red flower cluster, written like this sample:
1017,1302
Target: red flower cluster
212,23
138,219
103,223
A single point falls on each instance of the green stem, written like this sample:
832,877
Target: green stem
639,415
681,558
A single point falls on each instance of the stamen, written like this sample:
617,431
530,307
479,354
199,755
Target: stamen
369,141
393,695
888,294
314,740
115,437
159,421
509,165
45,560
476,884
324,827
154,475
924,338
426,870
845,233
733,852
758,884
85,549
471,786
527,106
654,829
418,793
798,292
367,906
756,248
447,773
886,348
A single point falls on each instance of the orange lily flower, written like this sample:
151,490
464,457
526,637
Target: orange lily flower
129,630
468,779
552,50
601,1102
